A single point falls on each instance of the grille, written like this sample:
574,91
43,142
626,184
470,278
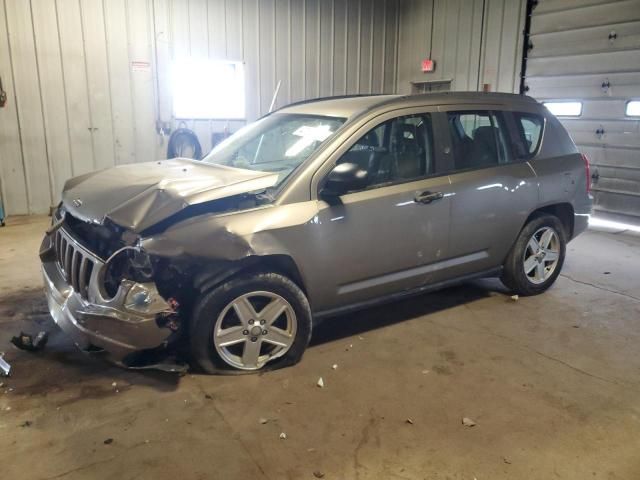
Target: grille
75,263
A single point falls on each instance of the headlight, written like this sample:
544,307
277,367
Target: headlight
129,263
144,298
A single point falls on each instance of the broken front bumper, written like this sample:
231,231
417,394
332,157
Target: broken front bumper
130,322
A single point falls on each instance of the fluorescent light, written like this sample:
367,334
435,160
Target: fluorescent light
564,109
206,89
633,108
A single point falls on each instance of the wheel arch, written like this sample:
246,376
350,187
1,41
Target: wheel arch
213,275
562,211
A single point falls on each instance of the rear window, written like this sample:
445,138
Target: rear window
530,127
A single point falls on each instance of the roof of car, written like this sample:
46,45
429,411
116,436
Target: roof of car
350,105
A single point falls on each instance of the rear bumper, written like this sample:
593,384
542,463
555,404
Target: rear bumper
121,326
581,215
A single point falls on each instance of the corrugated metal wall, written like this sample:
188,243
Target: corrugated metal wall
574,58
473,42
87,80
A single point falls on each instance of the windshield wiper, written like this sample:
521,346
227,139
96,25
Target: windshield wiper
266,195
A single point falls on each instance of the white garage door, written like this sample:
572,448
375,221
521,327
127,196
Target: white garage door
588,51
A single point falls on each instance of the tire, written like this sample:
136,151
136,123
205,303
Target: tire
219,312
521,257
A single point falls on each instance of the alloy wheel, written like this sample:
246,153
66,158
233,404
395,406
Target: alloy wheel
541,255
253,329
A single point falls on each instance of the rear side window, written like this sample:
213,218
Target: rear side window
479,138
530,127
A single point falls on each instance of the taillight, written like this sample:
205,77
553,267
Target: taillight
587,171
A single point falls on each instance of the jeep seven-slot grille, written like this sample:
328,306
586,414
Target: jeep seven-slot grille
75,264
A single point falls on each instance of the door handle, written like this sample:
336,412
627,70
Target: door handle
428,197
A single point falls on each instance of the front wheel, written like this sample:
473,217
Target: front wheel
535,260
252,322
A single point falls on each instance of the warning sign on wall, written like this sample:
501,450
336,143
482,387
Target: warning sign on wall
140,66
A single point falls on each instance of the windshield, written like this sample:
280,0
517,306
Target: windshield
277,143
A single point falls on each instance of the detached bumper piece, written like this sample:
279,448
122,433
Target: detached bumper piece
133,321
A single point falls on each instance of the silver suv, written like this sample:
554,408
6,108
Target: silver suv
320,208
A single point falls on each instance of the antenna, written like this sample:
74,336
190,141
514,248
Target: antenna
275,95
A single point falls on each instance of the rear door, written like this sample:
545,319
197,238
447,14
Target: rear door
492,189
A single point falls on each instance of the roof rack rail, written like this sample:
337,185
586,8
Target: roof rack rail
336,97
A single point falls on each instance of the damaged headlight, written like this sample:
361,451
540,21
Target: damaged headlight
129,263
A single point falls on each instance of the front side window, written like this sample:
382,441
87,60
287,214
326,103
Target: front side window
530,127
479,139
397,150
277,143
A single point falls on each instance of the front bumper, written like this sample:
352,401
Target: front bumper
121,326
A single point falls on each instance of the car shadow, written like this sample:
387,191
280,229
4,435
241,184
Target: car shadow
355,323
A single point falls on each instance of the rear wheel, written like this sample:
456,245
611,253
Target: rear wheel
535,261
252,322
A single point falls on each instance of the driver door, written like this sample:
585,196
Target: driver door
391,235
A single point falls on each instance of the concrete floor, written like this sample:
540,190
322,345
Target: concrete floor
552,381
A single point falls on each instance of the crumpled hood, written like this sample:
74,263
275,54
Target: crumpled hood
140,195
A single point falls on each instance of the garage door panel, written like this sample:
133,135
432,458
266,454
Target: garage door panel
612,176
627,140
621,61
612,182
609,126
603,108
617,202
586,16
622,158
621,85
624,79
548,6
586,40
593,91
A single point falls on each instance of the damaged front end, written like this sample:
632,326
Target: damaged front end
101,290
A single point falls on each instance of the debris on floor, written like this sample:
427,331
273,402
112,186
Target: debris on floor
515,298
334,366
24,341
320,383
264,420
27,423
108,441
114,384
424,372
318,474
506,460
409,421
5,368
283,436
467,422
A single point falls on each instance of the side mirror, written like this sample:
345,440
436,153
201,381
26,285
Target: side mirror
344,178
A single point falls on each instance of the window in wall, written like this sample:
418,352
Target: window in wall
530,127
206,89
633,108
479,139
396,151
564,109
